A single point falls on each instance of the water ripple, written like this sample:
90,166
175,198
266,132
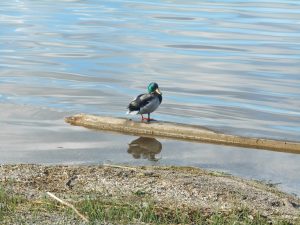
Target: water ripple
218,63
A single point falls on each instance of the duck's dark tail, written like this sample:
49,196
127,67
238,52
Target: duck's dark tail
133,107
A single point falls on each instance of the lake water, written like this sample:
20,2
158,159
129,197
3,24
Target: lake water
232,66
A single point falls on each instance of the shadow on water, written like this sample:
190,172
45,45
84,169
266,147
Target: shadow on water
145,147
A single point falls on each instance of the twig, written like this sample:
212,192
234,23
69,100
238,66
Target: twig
69,205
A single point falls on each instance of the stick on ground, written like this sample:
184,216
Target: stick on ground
69,205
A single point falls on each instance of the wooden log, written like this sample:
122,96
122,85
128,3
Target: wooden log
178,131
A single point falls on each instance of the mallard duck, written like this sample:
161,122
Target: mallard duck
146,103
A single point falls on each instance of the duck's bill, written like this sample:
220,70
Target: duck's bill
158,91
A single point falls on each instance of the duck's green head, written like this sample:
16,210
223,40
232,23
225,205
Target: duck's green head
153,87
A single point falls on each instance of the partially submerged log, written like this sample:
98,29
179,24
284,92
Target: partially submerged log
178,131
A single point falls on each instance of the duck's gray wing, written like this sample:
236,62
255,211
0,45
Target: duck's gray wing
140,101
149,104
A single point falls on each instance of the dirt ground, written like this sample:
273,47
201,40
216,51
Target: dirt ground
169,186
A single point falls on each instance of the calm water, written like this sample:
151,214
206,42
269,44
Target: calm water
232,66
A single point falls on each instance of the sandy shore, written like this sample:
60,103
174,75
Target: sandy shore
172,187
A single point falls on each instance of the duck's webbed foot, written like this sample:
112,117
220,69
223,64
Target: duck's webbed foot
147,119
144,118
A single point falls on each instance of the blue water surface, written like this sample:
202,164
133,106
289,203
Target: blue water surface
232,66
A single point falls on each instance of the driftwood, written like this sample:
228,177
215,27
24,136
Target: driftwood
178,131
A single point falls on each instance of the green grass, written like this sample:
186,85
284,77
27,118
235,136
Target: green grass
137,208
121,211
8,203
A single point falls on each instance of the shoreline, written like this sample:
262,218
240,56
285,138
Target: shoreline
186,189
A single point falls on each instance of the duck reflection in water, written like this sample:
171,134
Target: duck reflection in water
145,147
